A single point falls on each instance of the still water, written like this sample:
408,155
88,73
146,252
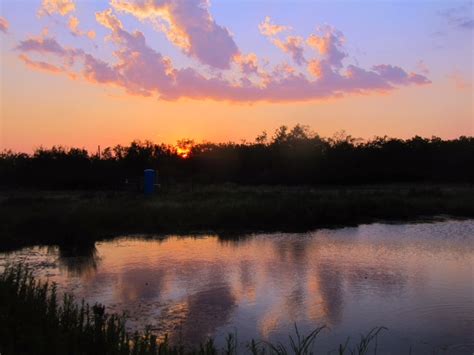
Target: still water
415,279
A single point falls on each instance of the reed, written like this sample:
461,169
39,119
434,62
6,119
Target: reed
34,321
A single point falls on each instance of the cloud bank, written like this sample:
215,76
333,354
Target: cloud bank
319,70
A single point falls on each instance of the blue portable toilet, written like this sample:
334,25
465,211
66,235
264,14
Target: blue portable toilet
149,181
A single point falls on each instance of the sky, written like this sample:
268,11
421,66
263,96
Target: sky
85,73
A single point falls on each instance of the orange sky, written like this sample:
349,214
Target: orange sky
430,93
91,115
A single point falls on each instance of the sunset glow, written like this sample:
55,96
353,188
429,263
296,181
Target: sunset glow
183,152
82,73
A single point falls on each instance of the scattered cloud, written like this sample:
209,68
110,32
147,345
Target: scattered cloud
96,70
91,34
4,24
39,65
248,63
329,42
267,28
61,7
315,68
73,25
397,76
107,19
189,25
459,17
292,45
48,47
141,70
42,45
284,68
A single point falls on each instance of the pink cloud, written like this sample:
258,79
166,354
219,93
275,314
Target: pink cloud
267,28
42,45
141,70
315,67
294,46
61,7
107,19
39,65
189,25
73,25
359,80
98,71
398,76
329,42
248,63
49,47
4,24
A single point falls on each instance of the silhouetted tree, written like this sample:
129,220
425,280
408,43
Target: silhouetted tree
289,156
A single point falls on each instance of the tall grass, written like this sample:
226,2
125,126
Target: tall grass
38,217
34,321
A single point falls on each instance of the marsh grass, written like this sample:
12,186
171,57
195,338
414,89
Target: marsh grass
39,217
34,321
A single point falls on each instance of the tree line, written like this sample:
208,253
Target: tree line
289,156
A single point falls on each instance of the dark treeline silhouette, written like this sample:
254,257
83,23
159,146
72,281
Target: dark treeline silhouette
289,156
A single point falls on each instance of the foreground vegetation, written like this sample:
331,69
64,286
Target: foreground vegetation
34,321
74,217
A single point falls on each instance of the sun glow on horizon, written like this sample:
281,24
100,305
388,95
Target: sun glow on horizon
183,152
134,78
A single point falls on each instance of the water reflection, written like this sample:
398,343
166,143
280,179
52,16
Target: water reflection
140,284
415,279
77,259
330,281
207,310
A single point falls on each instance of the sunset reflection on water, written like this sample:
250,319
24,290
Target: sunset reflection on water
415,279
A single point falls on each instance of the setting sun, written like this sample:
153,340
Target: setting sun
183,152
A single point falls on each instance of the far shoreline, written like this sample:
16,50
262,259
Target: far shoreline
38,217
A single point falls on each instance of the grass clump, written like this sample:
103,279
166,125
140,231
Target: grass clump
34,321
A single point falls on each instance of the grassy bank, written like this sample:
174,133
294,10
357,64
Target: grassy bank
72,217
34,321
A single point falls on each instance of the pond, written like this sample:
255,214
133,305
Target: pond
415,279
